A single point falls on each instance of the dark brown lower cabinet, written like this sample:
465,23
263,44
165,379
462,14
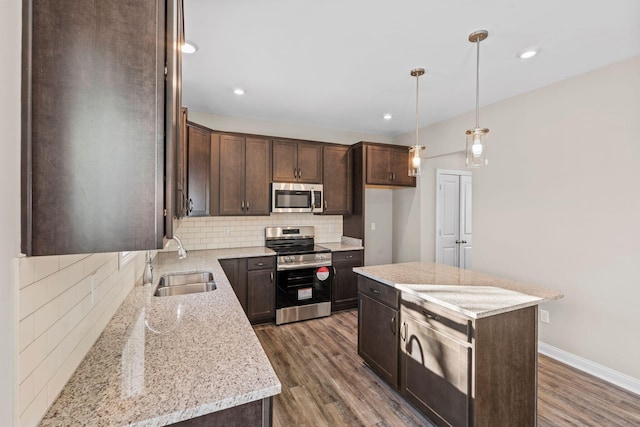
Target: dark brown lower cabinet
378,337
258,414
344,290
253,281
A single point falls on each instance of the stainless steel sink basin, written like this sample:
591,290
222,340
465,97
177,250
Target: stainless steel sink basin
185,283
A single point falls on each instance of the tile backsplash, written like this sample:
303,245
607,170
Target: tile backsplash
65,302
245,231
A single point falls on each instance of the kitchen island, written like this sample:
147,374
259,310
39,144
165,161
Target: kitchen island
460,346
164,360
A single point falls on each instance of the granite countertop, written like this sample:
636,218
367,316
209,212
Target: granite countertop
161,360
340,246
467,292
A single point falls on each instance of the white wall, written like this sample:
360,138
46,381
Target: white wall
379,211
558,206
284,130
10,48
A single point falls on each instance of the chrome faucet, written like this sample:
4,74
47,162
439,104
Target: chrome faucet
148,270
182,252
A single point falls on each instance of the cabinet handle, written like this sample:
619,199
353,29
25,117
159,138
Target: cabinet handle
247,205
242,205
272,277
325,203
349,256
375,291
430,316
403,329
260,264
299,173
190,205
295,173
393,324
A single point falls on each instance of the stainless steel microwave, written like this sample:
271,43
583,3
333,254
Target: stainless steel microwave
294,197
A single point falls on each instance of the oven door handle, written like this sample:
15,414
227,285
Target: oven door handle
313,200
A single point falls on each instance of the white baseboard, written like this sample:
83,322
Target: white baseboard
614,377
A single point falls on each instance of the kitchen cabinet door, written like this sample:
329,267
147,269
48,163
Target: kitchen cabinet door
378,338
378,165
310,162
232,175
199,172
297,161
344,292
261,296
257,176
236,272
285,161
93,123
337,180
399,158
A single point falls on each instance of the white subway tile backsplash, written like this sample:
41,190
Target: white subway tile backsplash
59,323
46,265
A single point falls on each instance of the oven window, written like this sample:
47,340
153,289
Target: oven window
304,286
293,199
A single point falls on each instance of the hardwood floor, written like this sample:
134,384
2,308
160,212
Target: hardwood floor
325,383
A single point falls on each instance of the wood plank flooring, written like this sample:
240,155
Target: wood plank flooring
325,383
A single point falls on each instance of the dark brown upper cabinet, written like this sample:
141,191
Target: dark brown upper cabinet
337,179
94,117
202,152
297,161
245,171
388,166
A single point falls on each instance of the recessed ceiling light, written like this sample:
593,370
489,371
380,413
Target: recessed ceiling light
189,47
387,116
238,91
528,53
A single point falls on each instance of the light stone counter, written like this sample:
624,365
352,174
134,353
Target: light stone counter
161,360
345,244
467,292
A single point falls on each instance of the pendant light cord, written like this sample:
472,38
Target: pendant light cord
477,82
417,92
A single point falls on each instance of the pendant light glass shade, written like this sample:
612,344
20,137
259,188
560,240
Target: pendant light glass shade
415,151
477,138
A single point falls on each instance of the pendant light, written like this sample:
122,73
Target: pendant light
415,152
477,138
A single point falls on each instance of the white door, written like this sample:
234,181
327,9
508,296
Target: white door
453,218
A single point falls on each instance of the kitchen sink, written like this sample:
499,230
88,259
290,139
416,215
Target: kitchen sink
185,283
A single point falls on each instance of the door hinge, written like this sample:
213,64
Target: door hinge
165,212
166,70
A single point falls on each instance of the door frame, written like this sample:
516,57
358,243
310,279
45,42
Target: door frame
439,174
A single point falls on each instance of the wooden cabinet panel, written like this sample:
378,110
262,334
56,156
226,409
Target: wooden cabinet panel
199,172
344,292
337,180
261,294
236,272
297,161
310,162
399,158
378,338
93,121
285,161
257,176
182,156
232,176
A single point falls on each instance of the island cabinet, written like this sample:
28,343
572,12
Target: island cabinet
245,172
297,161
337,179
100,105
253,281
344,290
388,166
378,328
468,372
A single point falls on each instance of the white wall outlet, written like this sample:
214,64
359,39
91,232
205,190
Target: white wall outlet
373,226
544,316
227,231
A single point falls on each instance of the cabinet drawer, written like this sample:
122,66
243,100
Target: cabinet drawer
438,318
261,263
379,291
346,256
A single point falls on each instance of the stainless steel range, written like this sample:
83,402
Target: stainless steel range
304,274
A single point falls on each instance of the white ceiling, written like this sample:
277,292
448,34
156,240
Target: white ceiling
342,64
